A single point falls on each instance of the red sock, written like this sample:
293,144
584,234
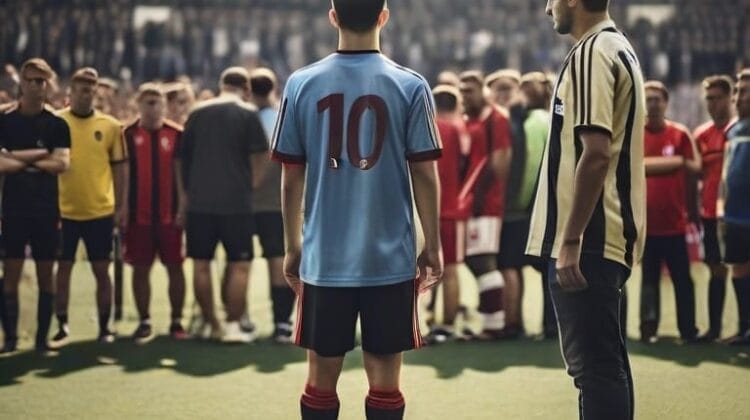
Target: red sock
385,400
317,404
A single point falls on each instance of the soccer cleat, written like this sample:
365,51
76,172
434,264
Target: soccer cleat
739,339
9,347
206,332
60,339
708,337
282,333
106,337
233,334
246,324
143,334
438,334
45,350
177,332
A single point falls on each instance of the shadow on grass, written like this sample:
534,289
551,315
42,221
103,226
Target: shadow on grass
203,359
193,358
692,355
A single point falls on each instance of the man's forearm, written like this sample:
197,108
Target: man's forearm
31,155
51,165
10,165
292,189
427,199
589,183
659,165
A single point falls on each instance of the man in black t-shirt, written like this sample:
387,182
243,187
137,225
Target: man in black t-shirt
223,156
34,148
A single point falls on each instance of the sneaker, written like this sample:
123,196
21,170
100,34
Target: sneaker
60,339
708,337
207,332
739,339
9,347
233,334
438,335
45,350
143,334
282,333
177,332
106,337
246,324
648,332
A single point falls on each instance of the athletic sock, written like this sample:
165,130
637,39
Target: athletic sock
105,312
742,292
43,317
491,300
717,289
11,316
384,405
319,405
283,303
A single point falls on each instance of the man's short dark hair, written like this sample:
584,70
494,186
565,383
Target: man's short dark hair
658,86
358,15
722,82
595,5
236,77
446,98
472,76
262,82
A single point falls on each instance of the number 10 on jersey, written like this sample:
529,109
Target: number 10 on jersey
335,102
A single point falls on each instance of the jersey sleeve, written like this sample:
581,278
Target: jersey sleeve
422,138
288,144
62,135
117,151
594,75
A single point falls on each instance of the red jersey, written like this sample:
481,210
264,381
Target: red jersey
711,140
666,194
490,122
153,188
452,134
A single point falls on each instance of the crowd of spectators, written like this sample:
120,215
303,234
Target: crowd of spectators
136,40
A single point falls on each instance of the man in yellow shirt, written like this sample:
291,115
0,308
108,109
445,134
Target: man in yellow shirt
93,194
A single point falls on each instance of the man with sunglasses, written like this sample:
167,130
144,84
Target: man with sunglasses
35,148
155,220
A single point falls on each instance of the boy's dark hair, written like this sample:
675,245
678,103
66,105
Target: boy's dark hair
358,15
446,98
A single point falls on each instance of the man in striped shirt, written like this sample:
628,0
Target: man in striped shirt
589,215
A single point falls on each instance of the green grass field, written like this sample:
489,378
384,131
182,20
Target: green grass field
515,380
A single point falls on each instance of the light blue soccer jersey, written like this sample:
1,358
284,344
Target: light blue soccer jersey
356,119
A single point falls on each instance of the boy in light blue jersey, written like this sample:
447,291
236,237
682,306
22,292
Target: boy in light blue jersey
353,130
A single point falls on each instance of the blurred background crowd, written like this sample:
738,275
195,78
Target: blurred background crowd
130,41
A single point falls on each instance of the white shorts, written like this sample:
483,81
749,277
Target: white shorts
483,235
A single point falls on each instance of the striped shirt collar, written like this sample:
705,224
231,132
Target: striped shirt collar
605,24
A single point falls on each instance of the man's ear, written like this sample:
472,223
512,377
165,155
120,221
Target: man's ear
333,18
383,18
